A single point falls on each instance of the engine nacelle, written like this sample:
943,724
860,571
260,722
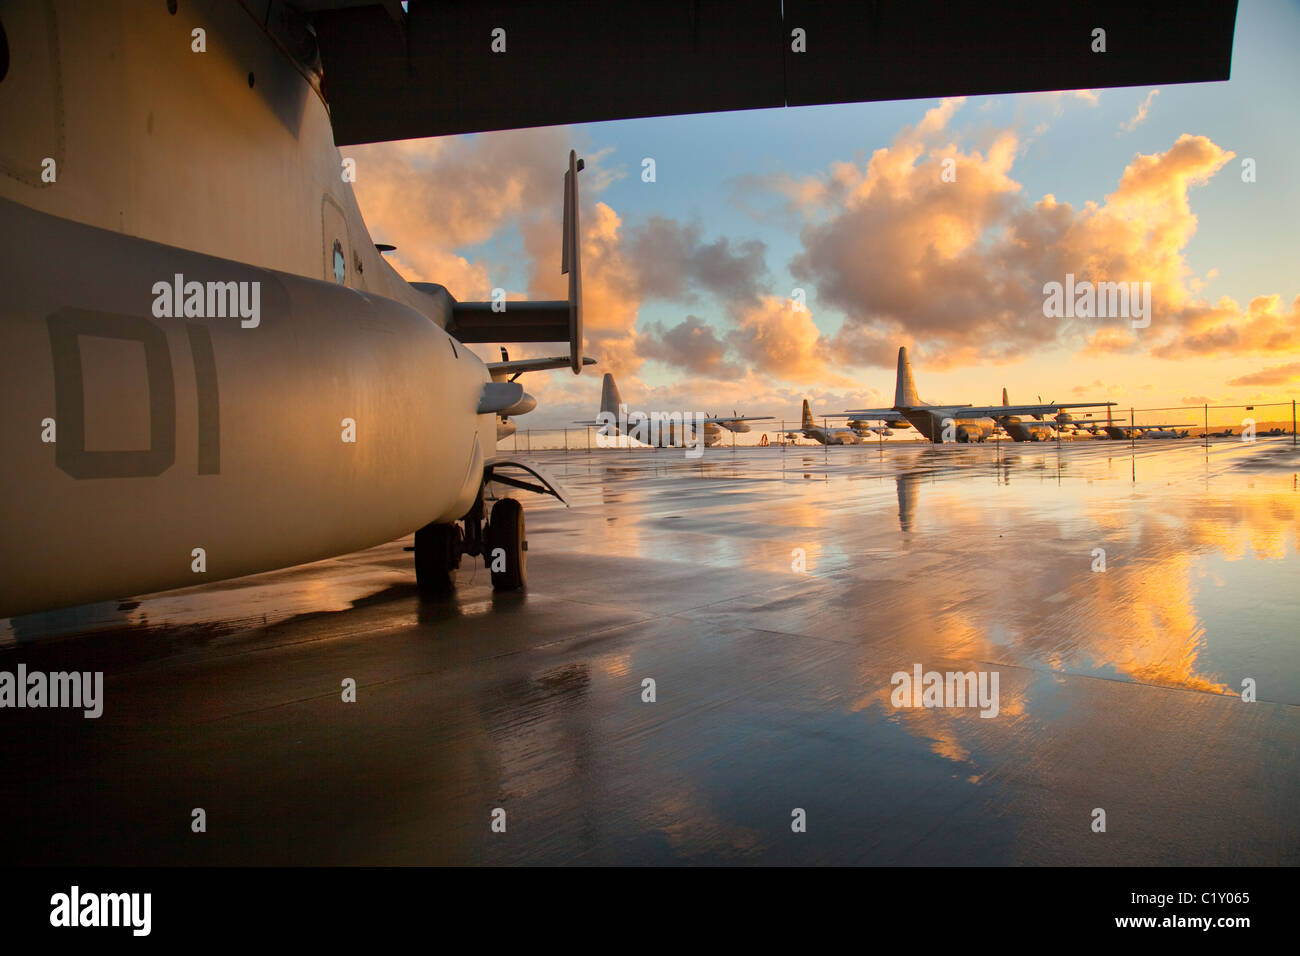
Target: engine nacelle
521,407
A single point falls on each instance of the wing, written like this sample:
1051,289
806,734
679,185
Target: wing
997,411
873,415
504,370
737,418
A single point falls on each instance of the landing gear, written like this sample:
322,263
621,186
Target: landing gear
507,548
437,556
499,540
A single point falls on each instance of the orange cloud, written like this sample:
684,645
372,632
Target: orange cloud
783,342
938,243
1274,375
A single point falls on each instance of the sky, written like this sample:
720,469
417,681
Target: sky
690,276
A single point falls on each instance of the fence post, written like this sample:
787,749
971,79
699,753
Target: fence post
1206,433
1132,428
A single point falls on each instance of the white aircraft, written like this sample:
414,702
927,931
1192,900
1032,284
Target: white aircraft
823,435
961,423
662,429
209,368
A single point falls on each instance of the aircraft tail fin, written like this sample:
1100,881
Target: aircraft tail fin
1005,401
609,396
905,389
807,416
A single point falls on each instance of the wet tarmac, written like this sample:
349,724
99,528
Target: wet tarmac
771,595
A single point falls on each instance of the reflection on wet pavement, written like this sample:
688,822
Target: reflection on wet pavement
770,594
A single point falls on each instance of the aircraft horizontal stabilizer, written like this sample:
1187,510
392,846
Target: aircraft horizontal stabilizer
548,321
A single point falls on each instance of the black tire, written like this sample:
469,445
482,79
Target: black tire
437,556
506,532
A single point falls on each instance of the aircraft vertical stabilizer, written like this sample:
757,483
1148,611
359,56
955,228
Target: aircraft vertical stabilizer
807,416
609,397
905,390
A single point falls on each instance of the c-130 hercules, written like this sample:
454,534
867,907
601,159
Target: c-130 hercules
207,369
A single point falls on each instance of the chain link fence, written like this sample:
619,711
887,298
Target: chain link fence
1187,422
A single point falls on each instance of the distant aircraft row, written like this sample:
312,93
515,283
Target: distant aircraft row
938,422
969,423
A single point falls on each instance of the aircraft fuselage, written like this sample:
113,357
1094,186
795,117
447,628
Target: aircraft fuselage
946,424
321,408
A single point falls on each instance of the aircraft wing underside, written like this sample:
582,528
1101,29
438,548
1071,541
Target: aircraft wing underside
447,67
873,414
998,411
503,370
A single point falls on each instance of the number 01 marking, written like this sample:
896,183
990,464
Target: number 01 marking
66,327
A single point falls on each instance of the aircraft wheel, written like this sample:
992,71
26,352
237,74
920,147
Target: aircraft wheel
506,533
437,556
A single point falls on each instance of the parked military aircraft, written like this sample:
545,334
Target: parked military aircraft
1119,431
210,369
823,434
962,423
676,429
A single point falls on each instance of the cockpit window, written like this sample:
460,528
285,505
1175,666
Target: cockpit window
340,263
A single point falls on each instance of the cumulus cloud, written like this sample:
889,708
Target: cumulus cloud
431,197
959,263
672,261
781,341
692,344
1225,328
